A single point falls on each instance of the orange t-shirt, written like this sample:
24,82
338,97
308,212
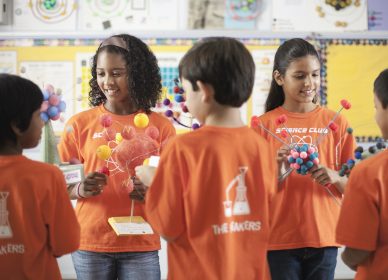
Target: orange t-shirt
305,214
82,136
363,222
211,193
37,220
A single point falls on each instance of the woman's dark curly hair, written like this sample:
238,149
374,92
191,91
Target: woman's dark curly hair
144,79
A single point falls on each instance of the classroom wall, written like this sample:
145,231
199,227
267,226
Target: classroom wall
54,44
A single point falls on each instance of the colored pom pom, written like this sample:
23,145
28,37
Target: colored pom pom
169,113
176,89
349,130
284,134
109,134
44,116
146,161
54,100
52,111
185,109
255,121
333,126
195,126
118,137
104,170
316,161
128,132
106,120
62,106
346,104
141,120
281,119
166,102
152,132
179,98
358,155
103,152
303,155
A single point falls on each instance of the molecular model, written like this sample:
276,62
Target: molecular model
360,154
180,99
303,153
52,105
127,148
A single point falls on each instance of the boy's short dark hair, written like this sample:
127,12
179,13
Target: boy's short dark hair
380,88
20,98
225,64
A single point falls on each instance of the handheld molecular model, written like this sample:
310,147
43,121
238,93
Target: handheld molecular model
127,148
52,105
179,98
360,154
303,151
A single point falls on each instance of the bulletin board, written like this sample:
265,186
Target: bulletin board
66,65
351,71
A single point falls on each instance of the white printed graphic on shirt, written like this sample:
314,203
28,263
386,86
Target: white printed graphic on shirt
5,229
240,205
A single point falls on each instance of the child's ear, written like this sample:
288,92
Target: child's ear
206,91
278,77
16,129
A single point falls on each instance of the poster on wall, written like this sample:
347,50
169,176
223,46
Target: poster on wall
60,75
264,64
8,61
253,14
319,15
126,15
39,15
83,75
378,15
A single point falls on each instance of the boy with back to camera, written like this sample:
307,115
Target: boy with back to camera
210,195
37,221
363,223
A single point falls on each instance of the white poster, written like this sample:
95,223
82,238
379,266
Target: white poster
8,61
264,64
60,75
44,15
128,15
318,15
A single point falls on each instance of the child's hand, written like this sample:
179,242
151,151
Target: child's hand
93,185
139,190
323,175
145,174
281,158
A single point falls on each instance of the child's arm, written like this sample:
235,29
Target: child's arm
92,185
324,175
354,257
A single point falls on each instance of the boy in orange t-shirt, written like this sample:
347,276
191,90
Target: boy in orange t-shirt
210,195
37,220
363,222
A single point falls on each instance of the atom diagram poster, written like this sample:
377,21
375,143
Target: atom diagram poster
128,14
45,15
320,15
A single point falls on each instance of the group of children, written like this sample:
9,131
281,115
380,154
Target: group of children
216,195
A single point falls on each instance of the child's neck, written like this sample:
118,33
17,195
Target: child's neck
299,107
120,108
224,117
10,149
